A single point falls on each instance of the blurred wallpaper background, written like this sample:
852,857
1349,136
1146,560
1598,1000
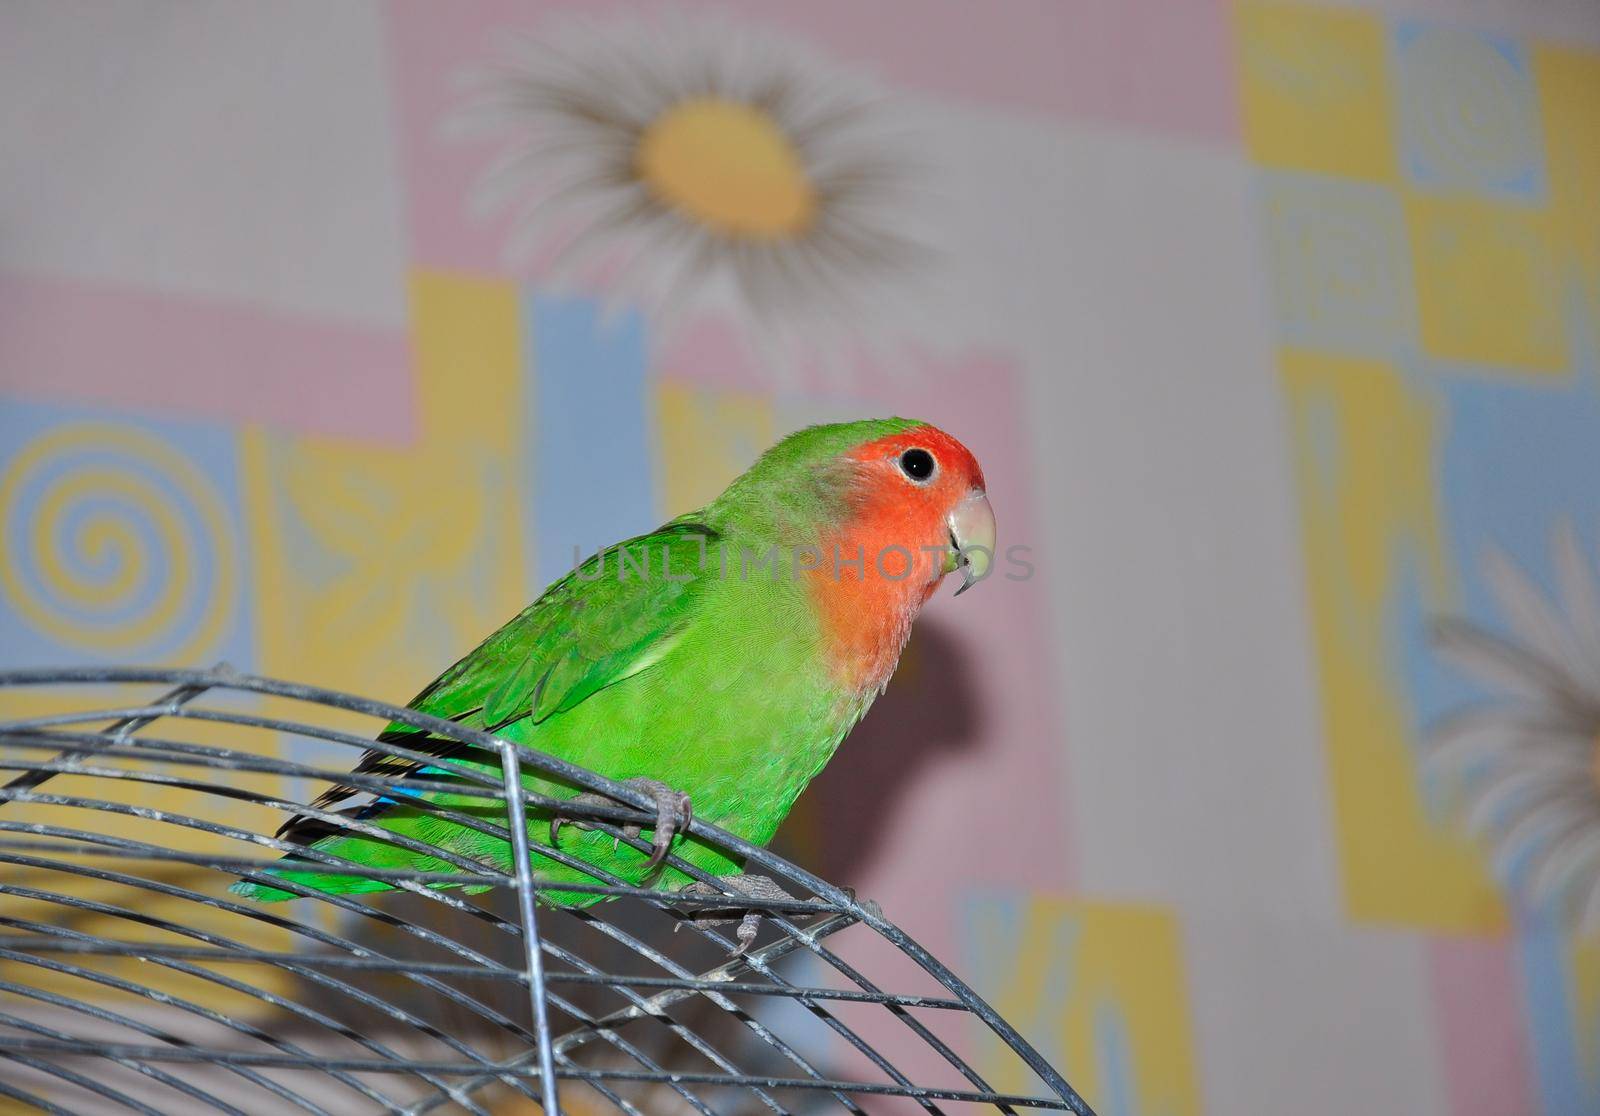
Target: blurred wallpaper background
329,332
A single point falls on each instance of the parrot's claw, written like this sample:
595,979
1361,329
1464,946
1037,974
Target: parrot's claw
752,886
674,811
869,905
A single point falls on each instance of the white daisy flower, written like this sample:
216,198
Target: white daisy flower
1528,763
692,161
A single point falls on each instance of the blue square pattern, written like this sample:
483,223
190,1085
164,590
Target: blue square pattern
593,460
120,540
1341,269
1469,114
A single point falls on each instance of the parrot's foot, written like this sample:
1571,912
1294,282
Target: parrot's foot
674,811
753,886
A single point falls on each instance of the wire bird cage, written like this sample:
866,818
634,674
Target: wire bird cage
131,978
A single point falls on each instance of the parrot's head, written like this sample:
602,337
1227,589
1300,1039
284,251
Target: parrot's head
875,514
905,494
920,489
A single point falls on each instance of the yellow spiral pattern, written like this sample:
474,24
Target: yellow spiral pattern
115,543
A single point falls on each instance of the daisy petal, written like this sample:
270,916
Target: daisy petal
1526,844
1529,613
1497,799
1497,662
1473,736
1570,867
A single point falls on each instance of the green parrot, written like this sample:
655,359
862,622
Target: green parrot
714,664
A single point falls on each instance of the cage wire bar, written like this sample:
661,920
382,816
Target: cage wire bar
130,975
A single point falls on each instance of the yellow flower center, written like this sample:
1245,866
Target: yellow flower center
729,166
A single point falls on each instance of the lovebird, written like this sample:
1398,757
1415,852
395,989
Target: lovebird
715,664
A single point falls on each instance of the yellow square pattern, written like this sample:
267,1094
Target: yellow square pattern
1488,285
1569,95
1569,101
1315,90
708,436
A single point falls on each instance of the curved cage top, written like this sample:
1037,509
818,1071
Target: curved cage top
131,977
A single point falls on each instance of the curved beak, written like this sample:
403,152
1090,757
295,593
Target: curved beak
972,537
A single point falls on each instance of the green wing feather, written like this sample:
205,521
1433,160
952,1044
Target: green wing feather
614,615
590,629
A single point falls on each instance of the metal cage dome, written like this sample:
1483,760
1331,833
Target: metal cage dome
130,978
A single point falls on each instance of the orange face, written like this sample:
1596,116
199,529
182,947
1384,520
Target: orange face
923,490
920,513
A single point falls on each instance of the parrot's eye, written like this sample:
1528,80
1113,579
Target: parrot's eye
917,464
